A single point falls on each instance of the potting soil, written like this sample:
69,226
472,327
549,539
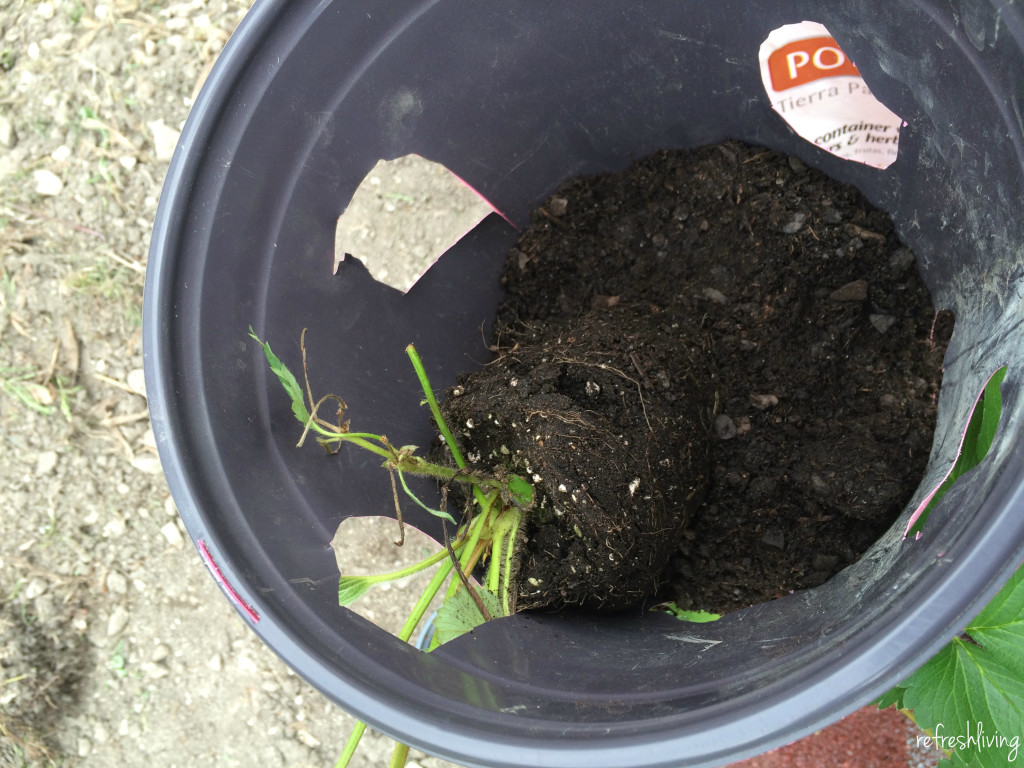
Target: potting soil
721,369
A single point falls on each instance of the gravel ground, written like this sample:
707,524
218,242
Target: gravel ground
116,646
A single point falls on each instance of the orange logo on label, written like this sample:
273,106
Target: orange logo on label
804,61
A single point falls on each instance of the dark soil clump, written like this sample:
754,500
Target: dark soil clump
723,319
612,425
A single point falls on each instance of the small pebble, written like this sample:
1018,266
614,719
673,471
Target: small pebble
147,463
725,427
855,291
796,224
819,484
172,534
154,671
117,583
882,323
763,402
118,621
901,259
136,381
601,301
165,139
46,462
715,295
115,528
7,136
48,184
35,588
307,738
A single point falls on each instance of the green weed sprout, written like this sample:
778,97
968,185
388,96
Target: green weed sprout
488,533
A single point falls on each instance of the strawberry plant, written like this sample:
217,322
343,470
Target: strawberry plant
486,535
969,698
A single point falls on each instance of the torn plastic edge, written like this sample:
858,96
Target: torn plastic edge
339,258
236,598
960,449
487,202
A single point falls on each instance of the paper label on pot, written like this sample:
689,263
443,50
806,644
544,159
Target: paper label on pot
819,92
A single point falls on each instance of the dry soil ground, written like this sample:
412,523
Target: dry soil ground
116,646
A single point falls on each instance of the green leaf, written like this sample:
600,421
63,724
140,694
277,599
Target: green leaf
970,695
697,617
291,386
978,437
892,697
992,406
459,614
351,588
993,756
521,489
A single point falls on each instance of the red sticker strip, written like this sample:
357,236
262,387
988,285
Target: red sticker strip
208,559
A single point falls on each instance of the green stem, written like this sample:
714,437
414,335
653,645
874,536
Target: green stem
409,570
415,617
507,575
494,566
414,497
350,745
477,529
399,756
424,602
442,425
435,410
360,439
473,538
414,465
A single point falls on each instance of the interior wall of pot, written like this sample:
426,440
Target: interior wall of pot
516,98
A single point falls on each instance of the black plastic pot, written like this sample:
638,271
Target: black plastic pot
515,98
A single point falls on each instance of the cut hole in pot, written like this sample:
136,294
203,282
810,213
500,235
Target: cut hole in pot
403,216
364,546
